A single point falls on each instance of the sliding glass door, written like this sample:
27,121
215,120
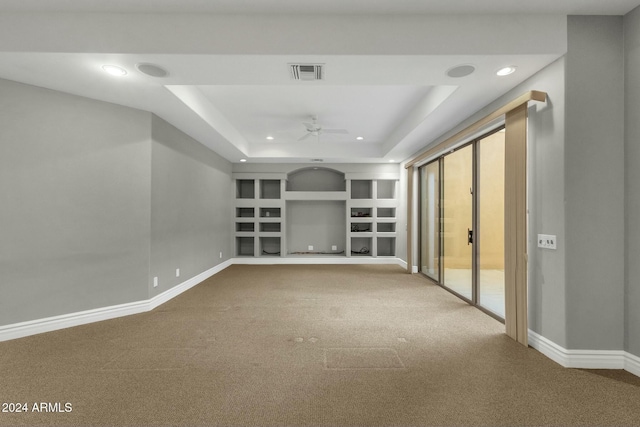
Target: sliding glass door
430,220
490,236
462,222
457,221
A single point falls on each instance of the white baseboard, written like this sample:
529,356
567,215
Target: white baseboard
185,286
48,324
38,326
355,260
632,364
585,359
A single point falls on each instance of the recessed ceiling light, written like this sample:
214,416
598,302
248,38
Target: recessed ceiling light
391,161
270,138
114,70
506,71
460,71
152,70
359,138
243,160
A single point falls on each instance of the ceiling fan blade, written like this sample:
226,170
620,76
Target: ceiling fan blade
304,137
335,131
309,126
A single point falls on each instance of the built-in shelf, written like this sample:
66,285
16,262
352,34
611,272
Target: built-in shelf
315,195
245,189
361,227
361,189
270,246
269,188
245,246
386,189
270,227
245,226
245,212
313,210
386,227
361,212
270,213
361,246
386,246
386,212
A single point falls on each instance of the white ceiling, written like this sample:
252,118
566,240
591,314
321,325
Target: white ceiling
229,85
565,7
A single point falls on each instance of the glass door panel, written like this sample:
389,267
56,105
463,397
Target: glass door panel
490,236
457,221
430,220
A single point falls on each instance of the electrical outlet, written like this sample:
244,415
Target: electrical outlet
155,282
547,241
310,247
221,255
177,272
334,248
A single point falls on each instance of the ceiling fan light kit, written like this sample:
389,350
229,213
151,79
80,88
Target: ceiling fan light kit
314,129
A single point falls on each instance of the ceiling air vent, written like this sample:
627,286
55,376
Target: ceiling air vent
306,71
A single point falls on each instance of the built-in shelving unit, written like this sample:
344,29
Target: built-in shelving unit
315,212
259,215
372,206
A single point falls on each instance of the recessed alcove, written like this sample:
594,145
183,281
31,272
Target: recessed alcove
316,179
315,226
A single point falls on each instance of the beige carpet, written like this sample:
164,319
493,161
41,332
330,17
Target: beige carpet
305,345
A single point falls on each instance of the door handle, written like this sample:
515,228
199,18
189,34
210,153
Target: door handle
469,236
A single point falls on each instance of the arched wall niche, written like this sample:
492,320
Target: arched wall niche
316,179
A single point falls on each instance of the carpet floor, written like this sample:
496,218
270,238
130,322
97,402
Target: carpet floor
304,345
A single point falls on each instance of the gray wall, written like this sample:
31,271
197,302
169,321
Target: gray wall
74,188
594,183
191,209
97,199
632,167
546,154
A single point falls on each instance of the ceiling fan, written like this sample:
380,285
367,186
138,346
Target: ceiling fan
315,129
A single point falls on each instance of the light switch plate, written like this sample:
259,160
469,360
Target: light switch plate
310,247
547,241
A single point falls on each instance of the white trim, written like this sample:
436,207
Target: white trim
185,286
632,364
585,359
48,324
319,259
